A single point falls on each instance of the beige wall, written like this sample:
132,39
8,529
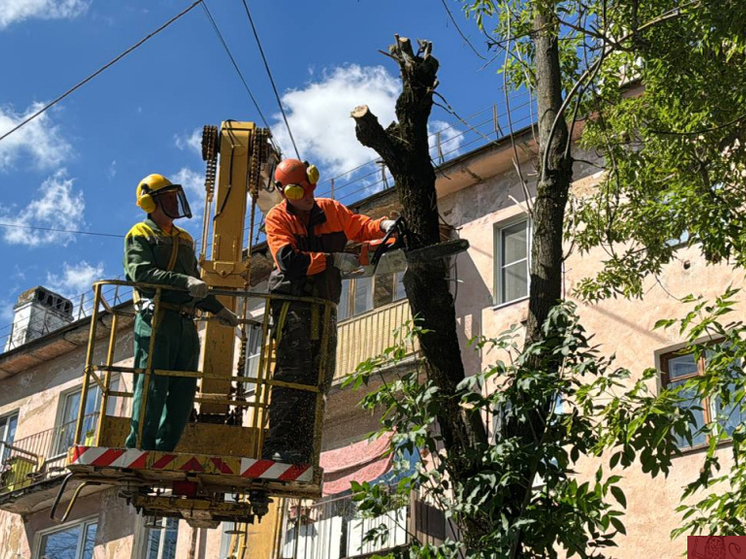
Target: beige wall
621,327
37,394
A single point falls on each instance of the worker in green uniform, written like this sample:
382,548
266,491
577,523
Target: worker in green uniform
159,252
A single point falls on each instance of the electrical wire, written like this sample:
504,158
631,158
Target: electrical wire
271,79
469,129
455,24
12,225
97,72
432,134
84,310
233,61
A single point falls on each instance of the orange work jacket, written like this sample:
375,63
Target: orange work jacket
303,265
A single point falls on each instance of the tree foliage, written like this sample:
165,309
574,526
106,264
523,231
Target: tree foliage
659,89
674,156
600,410
713,503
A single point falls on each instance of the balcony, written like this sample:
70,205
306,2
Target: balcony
32,467
334,528
367,335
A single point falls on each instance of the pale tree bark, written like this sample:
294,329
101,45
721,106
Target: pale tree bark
554,180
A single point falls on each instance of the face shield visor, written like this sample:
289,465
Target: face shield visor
173,201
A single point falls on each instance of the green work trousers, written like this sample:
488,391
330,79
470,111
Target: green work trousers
170,398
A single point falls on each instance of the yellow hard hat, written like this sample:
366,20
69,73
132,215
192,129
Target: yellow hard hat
151,186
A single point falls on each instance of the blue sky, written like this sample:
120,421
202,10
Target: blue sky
77,166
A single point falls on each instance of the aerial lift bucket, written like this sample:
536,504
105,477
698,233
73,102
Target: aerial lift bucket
216,472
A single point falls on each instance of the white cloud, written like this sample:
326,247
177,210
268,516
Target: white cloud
192,141
194,187
57,206
319,116
39,139
451,139
14,11
75,278
112,172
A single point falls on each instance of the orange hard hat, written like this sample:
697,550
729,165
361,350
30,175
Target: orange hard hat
295,178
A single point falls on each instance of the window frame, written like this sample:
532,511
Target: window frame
6,417
706,404
142,536
352,283
64,396
498,258
83,522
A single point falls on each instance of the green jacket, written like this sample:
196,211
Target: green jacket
147,251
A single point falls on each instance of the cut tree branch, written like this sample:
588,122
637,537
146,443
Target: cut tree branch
370,133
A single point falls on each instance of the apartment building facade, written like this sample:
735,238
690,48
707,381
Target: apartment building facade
481,198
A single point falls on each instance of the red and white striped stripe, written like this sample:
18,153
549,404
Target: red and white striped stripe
103,457
269,469
250,468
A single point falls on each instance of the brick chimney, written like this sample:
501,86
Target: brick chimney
38,311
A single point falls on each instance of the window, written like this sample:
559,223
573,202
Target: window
160,538
253,355
363,299
388,288
676,370
229,540
356,297
65,432
8,426
343,309
230,535
399,292
71,542
512,250
679,241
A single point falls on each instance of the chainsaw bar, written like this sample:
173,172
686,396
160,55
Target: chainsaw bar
441,250
396,260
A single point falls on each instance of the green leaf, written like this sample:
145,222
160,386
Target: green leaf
619,495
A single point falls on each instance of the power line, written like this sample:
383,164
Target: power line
429,136
369,188
12,225
468,42
470,128
233,61
271,79
97,72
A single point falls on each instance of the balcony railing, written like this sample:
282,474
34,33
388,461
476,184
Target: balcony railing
38,457
334,528
368,335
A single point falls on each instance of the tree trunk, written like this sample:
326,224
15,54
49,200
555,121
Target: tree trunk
546,248
404,148
554,181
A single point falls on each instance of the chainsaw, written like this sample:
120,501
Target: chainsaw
392,254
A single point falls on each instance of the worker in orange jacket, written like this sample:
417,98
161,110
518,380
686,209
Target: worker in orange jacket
307,238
